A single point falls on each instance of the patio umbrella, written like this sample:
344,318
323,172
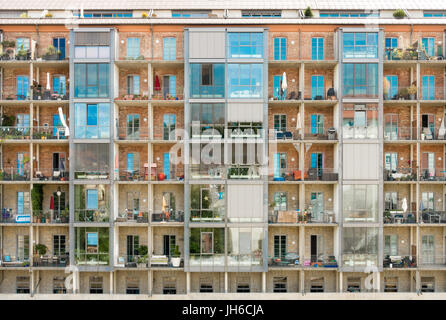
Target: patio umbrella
284,84
157,84
163,208
298,127
442,129
62,120
404,205
52,203
48,87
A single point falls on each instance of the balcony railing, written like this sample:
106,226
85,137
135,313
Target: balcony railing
91,215
14,174
132,175
14,262
400,174
166,261
245,260
244,172
10,216
284,134
399,261
49,133
171,174
14,133
207,131
207,261
322,174
49,95
167,94
290,259
207,171
132,133
432,216
168,216
431,259
53,216
400,93
296,216
129,215
433,174
83,258
92,174
51,261
133,261
320,133
400,133
15,94
401,54
51,174
360,133
432,134
287,174
399,217
248,132
207,215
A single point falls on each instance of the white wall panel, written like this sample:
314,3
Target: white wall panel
206,45
245,202
361,161
239,111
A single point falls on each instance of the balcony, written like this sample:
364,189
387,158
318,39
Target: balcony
163,261
430,259
56,217
207,131
296,216
133,261
99,174
400,133
207,172
350,132
132,134
399,217
130,215
286,174
132,175
320,133
163,174
48,261
399,94
244,172
432,216
9,216
83,258
432,134
14,133
399,261
322,174
49,133
396,54
14,262
289,260
44,94
207,261
42,174
432,174
284,134
168,94
168,216
91,215
245,131
400,174
14,174
207,215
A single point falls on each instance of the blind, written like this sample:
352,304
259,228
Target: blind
92,39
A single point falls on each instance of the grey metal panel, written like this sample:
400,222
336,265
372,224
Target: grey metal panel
245,112
207,45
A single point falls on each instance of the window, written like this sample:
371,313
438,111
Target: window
317,88
245,80
92,121
280,122
427,284
91,159
133,200
206,285
132,247
391,201
133,166
207,80
169,48
280,201
190,14
279,93
347,14
23,203
133,48
317,48
22,285
360,122
91,199
207,243
22,87
22,42
96,286
59,243
92,52
132,286
427,201
59,84
391,43
390,284
428,87
92,242
279,48
317,124
59,285
21,171
243,285
106,14
353,284
59,44
428,44
360,246
261,13
169,123
22,248
280,163
391,161
91,80
59,201
317,284
280,246
169,285
360,203
245,44
360,80
133,84
280,284
169,243
170,85
360,45
434,14
391,245
392,87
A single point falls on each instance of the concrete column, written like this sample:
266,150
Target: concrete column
226,282
263,282
187,282
112,282
302,281
149,282
341,282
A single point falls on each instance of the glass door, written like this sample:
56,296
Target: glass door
169,123
427,165
317,203
427,249
391,127
133,126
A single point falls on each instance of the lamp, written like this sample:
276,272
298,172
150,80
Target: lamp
58,193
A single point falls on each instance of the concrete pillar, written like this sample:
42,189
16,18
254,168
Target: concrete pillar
226,282
187,282
302,281
112,282
263,282
341,282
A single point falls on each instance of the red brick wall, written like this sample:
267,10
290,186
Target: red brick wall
143,125
328,155
289,111
328,79
439,80
306,44
292,49
45,157
124,149
291,74
143,80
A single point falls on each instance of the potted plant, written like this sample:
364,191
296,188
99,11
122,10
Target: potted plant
412,90
49,15
144,15
176,259
308,12
51,53
40,249
399,14
8,44
404,93
142,258
22,53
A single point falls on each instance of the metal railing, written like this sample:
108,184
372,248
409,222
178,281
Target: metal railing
51,261
129,215
91,215
432,134
322,174
14,174
172,174
167,94
249,132
206,260
168,216
132,175
207,131
49,133
320,133
245,172
400,133
432,174
402,260
9,215
99,173
53,216
207,171
83,258
285,134
132,133
207,215
431,259
399,217
400,174
286,174
360,133
432,216
51,174
296,216
245,260
11,93
14,133
400,93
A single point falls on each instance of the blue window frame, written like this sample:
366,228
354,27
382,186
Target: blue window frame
278,88
106,14
169,48
57,124
22,42
92,199
130,162
360,45
316,160
360,79
20,203
346,14
207,80
280,163
166,165
428,87
280,48
20,163
169,86
59,85
133,47
91,80
391,43
59,44
434,14
190,14
245,44
317,124
169,124
317,87
92,121
393,86
317,48
429,46
245,80
133,84
22,87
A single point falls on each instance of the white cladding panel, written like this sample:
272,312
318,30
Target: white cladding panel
245,112
361,161
245,202
206,45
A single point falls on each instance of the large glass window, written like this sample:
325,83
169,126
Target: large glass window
360,122
133,50
91,245
245,247
206,247
92,121
360,203
360,246
91,52
360,45
428,87
91,80
245,80
91,160
360,80
245,44
207,203
169,48
207,80
317,88
279,48
317,48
